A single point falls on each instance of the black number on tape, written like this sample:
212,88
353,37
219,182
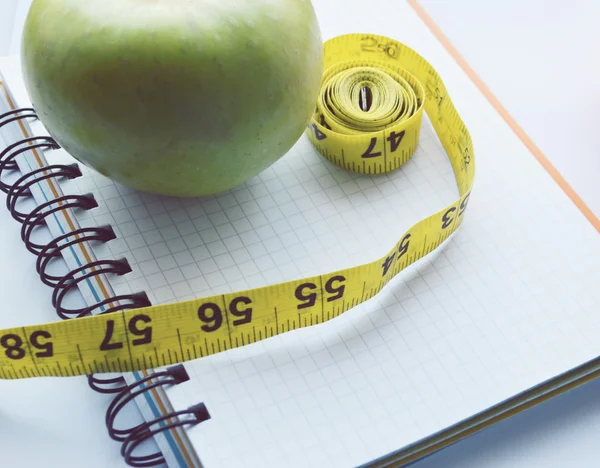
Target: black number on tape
463,204
369,153
245,314
337,291
145,333
438,97
466,156
106,345
395,139
388,49
369,44
308,300
211,315
402,250
323,123
404,244
447,218
387,263
306,292
13,345
134,329
319,135
47,348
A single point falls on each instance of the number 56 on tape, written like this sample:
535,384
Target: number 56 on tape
367,119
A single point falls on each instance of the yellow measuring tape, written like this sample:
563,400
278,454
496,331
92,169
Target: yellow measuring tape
367,119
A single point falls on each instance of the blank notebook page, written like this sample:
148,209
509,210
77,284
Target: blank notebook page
508,301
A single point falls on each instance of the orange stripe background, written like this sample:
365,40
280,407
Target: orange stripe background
528,142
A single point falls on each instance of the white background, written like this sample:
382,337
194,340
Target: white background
540,59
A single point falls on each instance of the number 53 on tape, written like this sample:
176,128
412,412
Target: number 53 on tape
374,132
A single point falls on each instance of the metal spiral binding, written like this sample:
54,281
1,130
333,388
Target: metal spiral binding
26,113
170,376
191,416
11,116
63,284
104,384
54,248
36,217
132,437
9,153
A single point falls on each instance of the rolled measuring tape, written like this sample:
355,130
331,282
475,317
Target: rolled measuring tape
367,119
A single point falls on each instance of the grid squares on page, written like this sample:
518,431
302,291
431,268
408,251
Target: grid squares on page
300,216
443,340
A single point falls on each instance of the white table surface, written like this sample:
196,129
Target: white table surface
538,59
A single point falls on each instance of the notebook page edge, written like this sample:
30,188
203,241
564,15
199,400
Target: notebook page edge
175,447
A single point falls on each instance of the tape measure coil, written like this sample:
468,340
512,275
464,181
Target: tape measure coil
340,131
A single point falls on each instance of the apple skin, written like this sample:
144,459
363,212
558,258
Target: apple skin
174,97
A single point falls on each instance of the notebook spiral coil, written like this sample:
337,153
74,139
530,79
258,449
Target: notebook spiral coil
36,217
172,376
195,415
133,437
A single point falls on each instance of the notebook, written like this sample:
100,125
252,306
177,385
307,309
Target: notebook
503,315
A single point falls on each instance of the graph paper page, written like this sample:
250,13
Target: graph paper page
507,302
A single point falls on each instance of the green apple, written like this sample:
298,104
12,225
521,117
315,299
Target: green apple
174,97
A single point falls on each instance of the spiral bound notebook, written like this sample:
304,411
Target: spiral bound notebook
502,315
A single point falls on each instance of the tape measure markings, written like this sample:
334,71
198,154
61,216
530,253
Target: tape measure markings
167,334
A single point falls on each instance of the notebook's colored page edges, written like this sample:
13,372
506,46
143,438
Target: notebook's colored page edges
503,410
152,404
